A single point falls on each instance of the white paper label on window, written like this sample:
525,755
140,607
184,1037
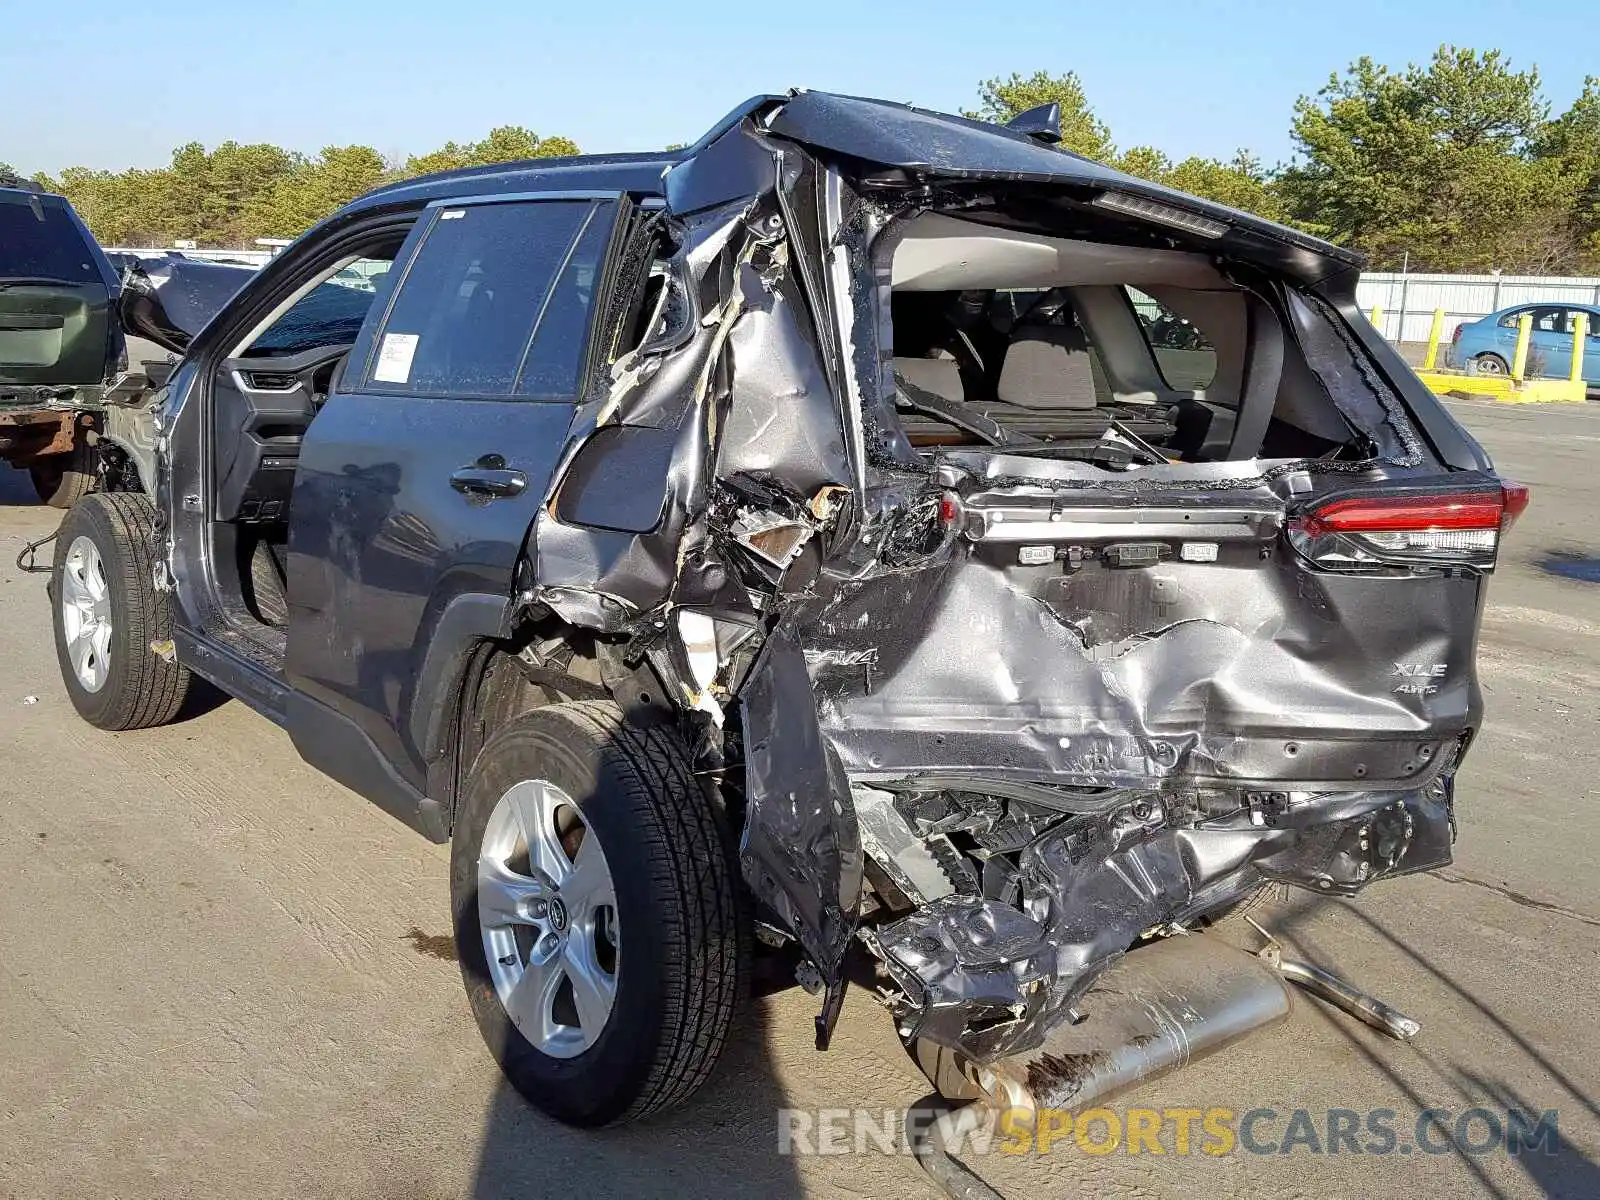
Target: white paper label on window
394,358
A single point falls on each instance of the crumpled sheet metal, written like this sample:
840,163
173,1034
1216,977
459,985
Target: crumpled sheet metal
990,981
801,847
1129,677
782,421
170,300
671,390
913,650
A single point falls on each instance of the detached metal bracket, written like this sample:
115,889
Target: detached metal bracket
1337,992
26,556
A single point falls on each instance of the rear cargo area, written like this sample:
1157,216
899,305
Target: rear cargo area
1114,584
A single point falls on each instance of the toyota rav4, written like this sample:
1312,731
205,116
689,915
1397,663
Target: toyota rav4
865,531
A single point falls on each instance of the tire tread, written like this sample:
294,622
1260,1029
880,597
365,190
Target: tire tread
691,854
150,690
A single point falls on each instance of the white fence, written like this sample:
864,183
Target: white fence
1408,301
244,258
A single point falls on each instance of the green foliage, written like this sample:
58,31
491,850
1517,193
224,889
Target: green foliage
1572,144
1081,131
236,193
1441,164
507,143
1453,165
316,187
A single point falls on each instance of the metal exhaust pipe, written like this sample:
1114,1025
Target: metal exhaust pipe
1156,1009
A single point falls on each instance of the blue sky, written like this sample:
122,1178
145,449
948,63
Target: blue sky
114,83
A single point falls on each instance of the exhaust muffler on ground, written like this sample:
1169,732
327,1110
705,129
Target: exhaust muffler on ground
1158,1008
1153,1011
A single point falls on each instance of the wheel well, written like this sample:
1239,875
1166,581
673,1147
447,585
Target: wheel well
544,662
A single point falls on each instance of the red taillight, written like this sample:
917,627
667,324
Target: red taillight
1456,336
1514,499
949,508
1407,514
1444,527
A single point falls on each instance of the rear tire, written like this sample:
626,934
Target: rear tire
1490,364
679,951
61,480
113,630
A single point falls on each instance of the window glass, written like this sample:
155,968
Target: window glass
38,240
1184,355
554,357
466,311
1551,320
330,314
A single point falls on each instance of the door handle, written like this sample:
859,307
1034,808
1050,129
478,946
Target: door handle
489,477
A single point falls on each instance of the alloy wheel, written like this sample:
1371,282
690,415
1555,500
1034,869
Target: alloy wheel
547,910
86,614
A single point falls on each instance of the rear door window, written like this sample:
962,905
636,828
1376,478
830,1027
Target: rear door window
1551,320
495,302
1183,354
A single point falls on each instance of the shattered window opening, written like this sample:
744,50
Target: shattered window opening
1038,345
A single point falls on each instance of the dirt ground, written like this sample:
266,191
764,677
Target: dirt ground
221,974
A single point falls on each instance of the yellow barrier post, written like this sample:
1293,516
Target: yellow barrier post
1519,361
1580,330
1434,333
1376,317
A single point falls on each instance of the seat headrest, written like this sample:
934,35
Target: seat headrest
1048,366
941,376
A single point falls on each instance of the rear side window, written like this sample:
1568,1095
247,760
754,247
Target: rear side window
495,302
38,240
1183,354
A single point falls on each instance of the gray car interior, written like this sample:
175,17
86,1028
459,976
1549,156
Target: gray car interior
1042,335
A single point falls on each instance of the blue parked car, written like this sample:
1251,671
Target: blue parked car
1489,344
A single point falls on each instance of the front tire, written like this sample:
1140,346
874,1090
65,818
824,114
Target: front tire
113,629
595,898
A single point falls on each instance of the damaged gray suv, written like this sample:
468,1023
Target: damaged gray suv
865,532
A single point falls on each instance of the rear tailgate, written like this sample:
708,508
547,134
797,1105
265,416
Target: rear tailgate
57,334
1301,632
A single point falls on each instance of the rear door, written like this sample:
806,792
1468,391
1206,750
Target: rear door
56,287
1591,351
1505,332
419,478
1552,339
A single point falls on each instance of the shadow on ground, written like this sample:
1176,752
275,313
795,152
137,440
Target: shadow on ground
1568,564
16,489
722,1143
1557,1169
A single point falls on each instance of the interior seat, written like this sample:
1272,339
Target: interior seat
1048,367
940,376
